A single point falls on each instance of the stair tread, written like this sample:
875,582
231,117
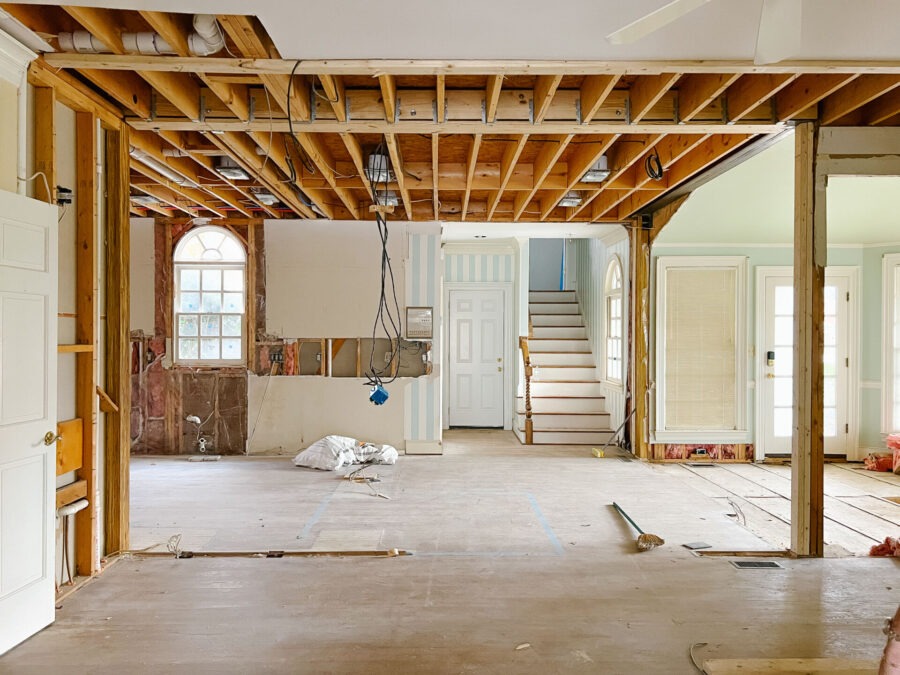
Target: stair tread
539,412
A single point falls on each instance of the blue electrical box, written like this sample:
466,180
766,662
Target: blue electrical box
378,395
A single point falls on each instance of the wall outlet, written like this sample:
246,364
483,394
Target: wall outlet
276,357
387,357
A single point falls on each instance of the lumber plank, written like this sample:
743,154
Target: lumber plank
69,447
70,493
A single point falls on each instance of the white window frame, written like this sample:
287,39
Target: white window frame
890,264
740,434
608,295
201,265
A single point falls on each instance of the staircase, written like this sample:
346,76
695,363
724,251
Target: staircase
567,402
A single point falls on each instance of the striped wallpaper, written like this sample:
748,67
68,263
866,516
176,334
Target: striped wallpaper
592,259
423,289
479,267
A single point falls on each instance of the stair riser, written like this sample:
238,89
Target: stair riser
552,308
549,374
563,405
566,438
570,359
537,346
565,332
563,422
551,296
566,389
556,320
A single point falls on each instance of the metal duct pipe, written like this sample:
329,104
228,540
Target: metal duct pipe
160,168
207,37
82,42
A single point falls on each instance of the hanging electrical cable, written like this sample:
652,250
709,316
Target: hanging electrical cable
653,166
387,316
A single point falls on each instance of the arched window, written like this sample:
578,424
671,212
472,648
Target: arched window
210,295
614,321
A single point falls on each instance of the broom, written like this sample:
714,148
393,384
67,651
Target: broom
645,541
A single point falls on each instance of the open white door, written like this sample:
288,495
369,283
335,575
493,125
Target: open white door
476,358
28,296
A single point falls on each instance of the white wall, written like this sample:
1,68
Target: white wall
143,275
545,264
323,277
8,134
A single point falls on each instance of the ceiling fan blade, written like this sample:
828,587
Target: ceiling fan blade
652,22
780,26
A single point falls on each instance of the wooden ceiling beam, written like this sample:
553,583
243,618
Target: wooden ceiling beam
507,164
174,29
855,95
470,127
165,196
646,91
471,163
544,88
249,37
318,154
594,91
243,150
492,97
883,110
805,91
578,162
333,87
151,207
620,158
190,194
152,145
440,97
388,97
751,91
712,150
354,149
436,173
696,92
129,90
266,65
390,140
546,159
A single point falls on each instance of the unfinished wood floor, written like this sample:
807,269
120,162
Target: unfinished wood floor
513,546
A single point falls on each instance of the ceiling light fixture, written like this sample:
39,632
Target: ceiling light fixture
264,196
378,168
386,198
228,168
572,198
598,172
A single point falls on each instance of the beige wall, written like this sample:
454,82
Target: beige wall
9,115
143,276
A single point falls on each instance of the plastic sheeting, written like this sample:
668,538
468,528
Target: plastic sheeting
334,452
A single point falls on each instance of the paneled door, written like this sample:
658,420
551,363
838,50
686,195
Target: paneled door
476,358
28,296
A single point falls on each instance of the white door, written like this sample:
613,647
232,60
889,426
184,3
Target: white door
776,355
476,358
28,272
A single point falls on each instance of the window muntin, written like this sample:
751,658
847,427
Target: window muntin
210,298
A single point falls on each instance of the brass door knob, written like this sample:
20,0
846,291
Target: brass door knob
50,438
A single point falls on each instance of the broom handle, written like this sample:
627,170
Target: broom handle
627,517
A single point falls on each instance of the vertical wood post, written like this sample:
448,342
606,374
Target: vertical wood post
87,558
45,142
640,339
808,448
118,345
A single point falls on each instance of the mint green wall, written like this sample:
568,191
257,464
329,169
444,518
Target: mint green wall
868,260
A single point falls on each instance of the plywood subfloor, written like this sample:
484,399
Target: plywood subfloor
512,546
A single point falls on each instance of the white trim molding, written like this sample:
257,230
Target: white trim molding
890,268
14,59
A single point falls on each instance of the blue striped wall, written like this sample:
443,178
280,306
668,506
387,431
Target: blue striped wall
479,267
423,289
592,259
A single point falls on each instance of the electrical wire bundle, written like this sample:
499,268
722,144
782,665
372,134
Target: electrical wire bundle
388,314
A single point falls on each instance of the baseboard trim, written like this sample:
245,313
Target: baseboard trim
424,448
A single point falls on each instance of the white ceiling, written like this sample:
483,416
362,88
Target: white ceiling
474,232
538,29
754,204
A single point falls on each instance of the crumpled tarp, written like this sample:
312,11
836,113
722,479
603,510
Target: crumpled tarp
334,452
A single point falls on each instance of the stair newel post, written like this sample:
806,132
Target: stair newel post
529,425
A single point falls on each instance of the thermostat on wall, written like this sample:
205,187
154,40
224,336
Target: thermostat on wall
418,323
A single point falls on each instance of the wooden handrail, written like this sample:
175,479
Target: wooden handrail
526,358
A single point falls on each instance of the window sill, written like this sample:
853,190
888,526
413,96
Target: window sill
703,437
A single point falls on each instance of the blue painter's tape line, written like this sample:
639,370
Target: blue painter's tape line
551,535
320,511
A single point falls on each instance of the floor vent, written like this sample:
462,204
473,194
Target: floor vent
755,564
625,459
701,464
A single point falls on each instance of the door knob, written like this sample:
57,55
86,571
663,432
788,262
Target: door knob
499,369
50,438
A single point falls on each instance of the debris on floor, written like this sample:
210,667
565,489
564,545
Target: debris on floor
333,452
204,458
893,443
645,541
879,461
889,548
524,645
695,545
